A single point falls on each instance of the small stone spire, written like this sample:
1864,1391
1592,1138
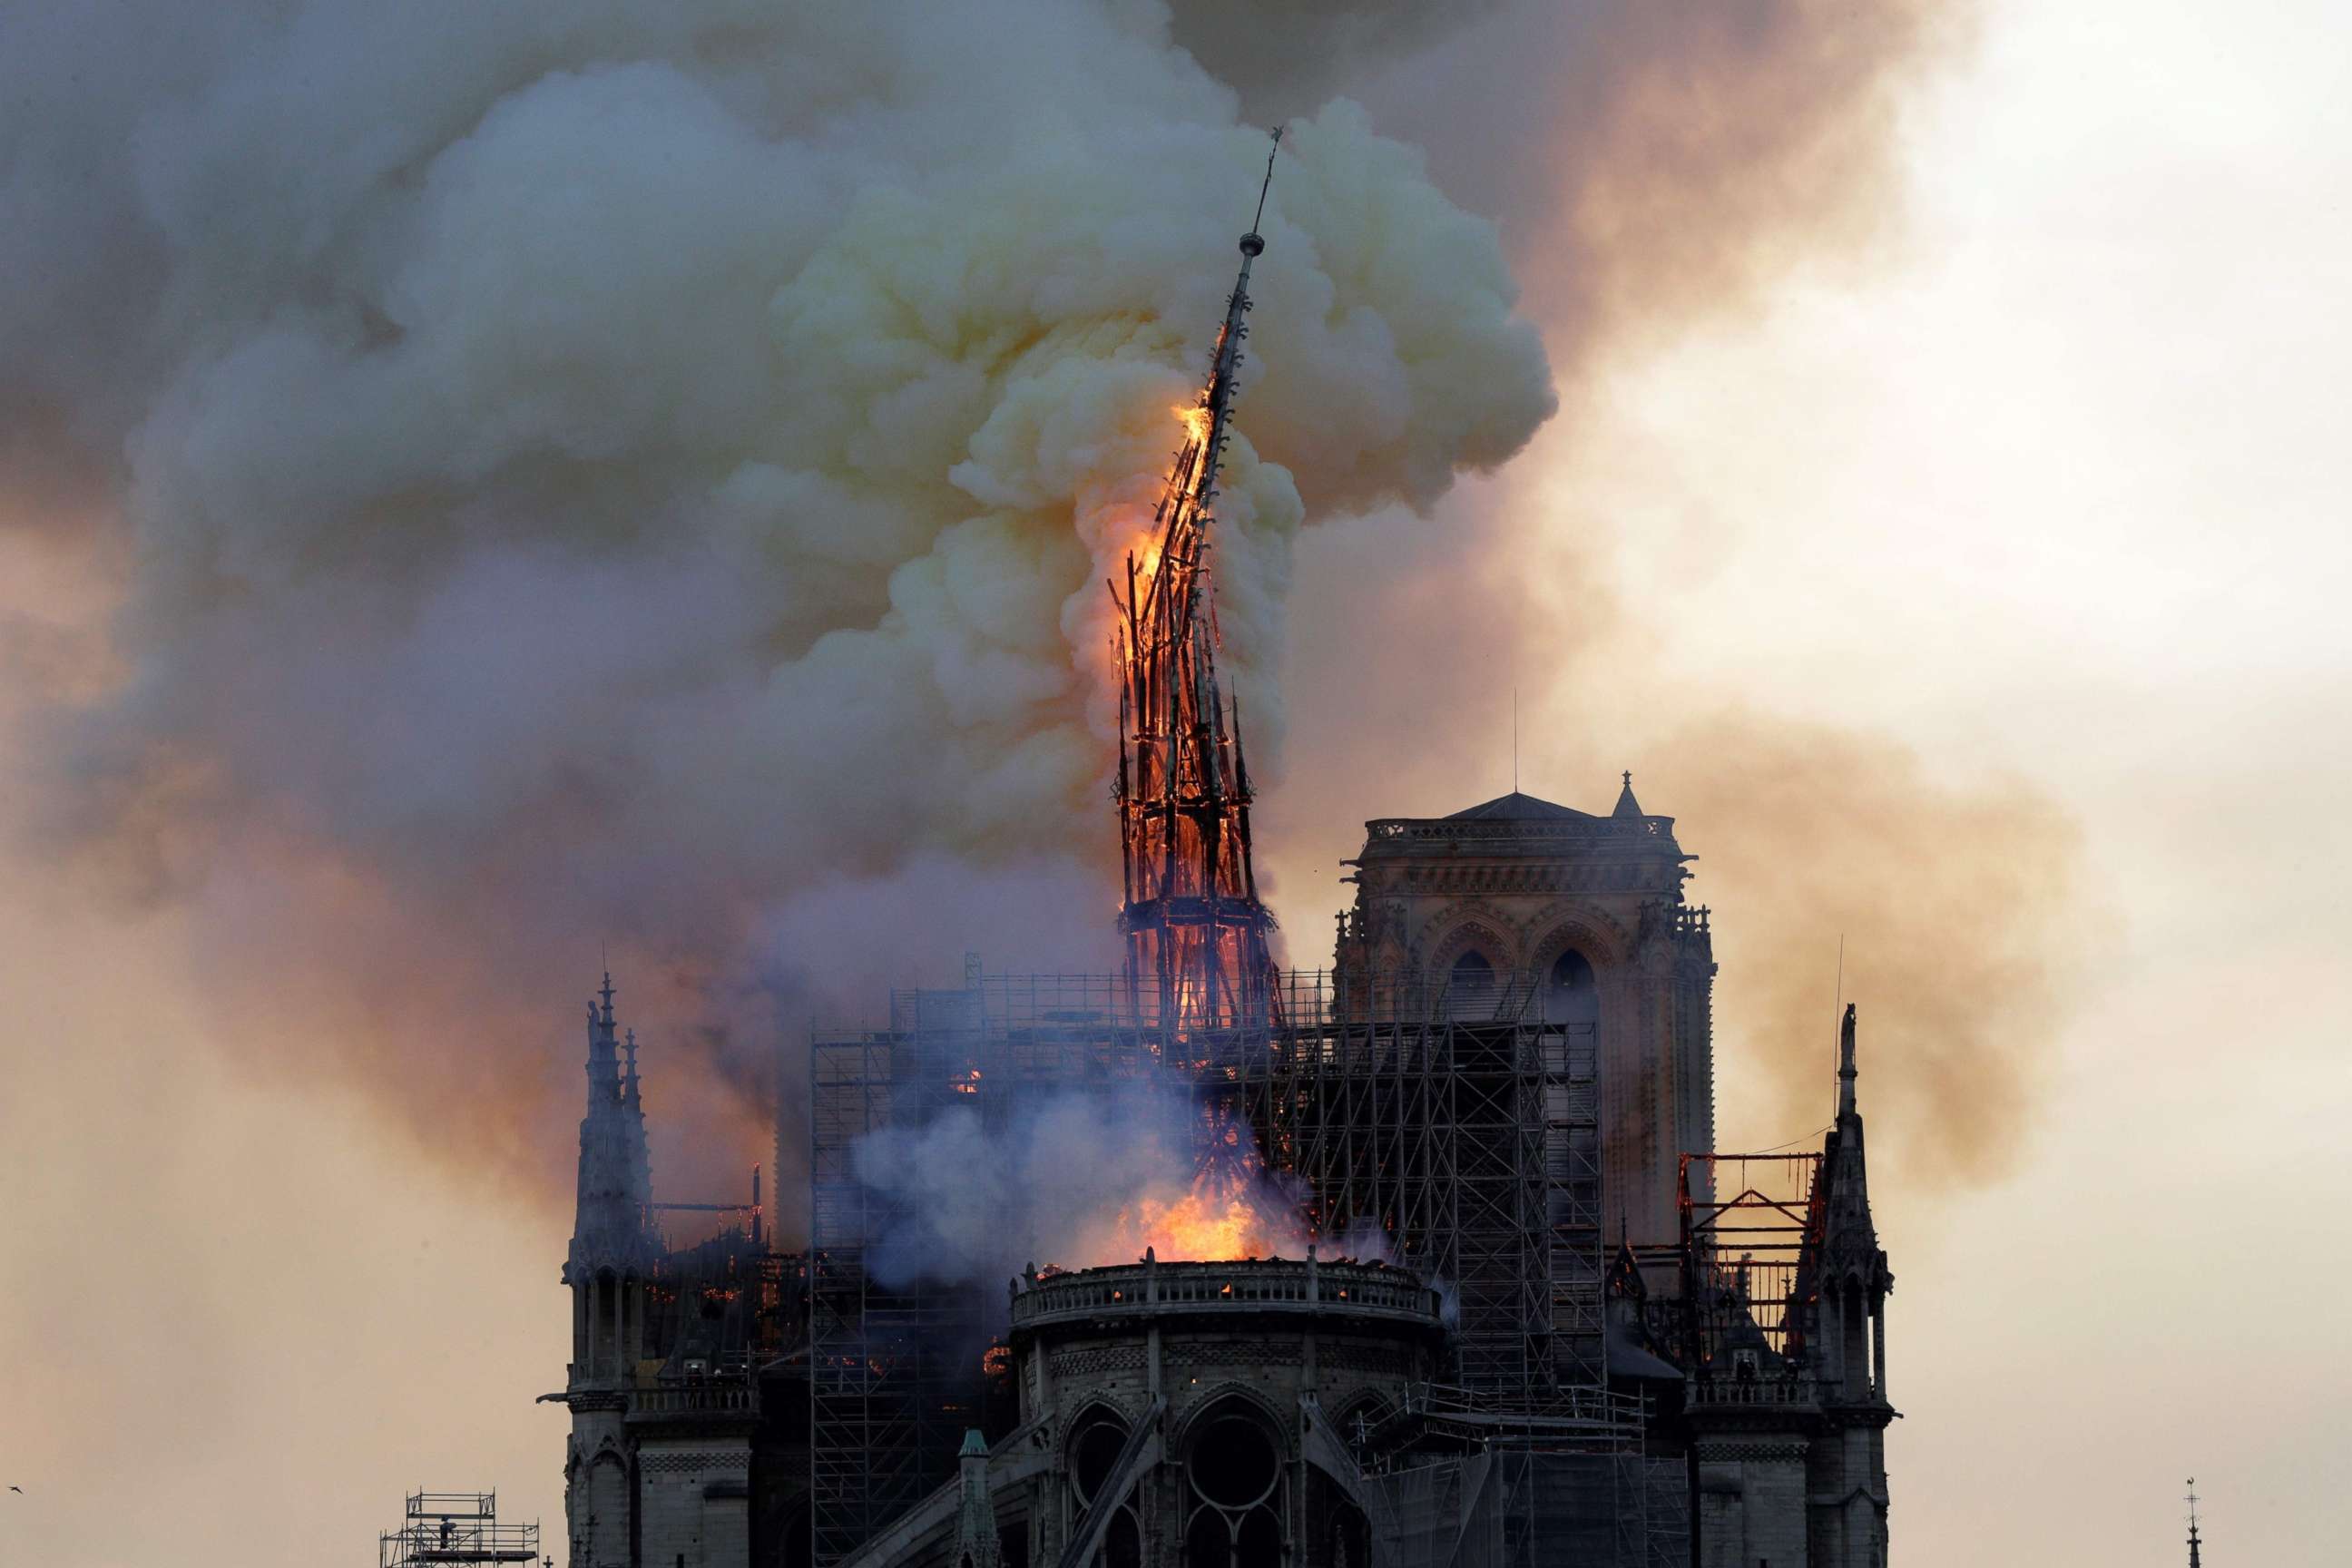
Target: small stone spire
633,1115
1846,1075
1626,804
1850,1237
603,1062
976,1545
616,1181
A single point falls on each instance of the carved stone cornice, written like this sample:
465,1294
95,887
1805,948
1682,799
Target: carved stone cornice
1440,878
1751,1450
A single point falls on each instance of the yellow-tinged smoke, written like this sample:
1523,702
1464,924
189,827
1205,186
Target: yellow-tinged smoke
650,481
1959,907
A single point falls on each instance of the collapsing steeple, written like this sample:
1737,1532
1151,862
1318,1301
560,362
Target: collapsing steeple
1196,933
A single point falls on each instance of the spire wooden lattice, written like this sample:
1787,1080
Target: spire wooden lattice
1196,935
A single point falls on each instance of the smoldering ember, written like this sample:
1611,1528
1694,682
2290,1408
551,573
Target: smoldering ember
1426,1259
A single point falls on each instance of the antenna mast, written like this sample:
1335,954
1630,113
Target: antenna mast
2192,1524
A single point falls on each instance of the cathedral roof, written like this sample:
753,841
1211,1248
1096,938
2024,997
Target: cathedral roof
1515,807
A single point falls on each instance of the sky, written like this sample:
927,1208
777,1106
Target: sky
2035,475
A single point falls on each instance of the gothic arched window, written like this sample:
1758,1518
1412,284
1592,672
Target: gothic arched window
1234,1471
1093,1448
1572,992
1470,984
1473,969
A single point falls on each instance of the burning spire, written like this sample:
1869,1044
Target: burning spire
1196,933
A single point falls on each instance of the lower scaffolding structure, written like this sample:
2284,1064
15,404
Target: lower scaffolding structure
441,1528
1527,1508
1460,1124
1573,1485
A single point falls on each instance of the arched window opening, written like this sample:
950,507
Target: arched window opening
1233,1463
1258,1542
1470,985
1351,1537
1209,1543
1857,1337
1123,1543
1094,1450
1233,1470
1571,992
608,1312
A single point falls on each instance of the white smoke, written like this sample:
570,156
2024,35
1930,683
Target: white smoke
1073,1178
594,471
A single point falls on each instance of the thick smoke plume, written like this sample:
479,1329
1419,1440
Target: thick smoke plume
1691,150
1958,909
568,475
589,474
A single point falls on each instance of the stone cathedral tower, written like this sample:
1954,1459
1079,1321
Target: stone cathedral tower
613,1253
1587,911
689,1431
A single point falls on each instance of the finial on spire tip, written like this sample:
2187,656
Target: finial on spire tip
1252,245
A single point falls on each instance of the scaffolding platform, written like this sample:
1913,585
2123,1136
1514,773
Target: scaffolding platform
456,1528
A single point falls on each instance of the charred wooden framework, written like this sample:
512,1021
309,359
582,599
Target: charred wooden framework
1196,934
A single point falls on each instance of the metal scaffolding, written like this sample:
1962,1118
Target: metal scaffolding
1530,1506
455,1527
1751,1223
1461,1125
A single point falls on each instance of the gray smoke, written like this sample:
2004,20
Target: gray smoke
1073,1178
560,476
574,474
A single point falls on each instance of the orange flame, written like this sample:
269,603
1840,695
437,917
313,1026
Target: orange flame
1195,420
1214,1221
